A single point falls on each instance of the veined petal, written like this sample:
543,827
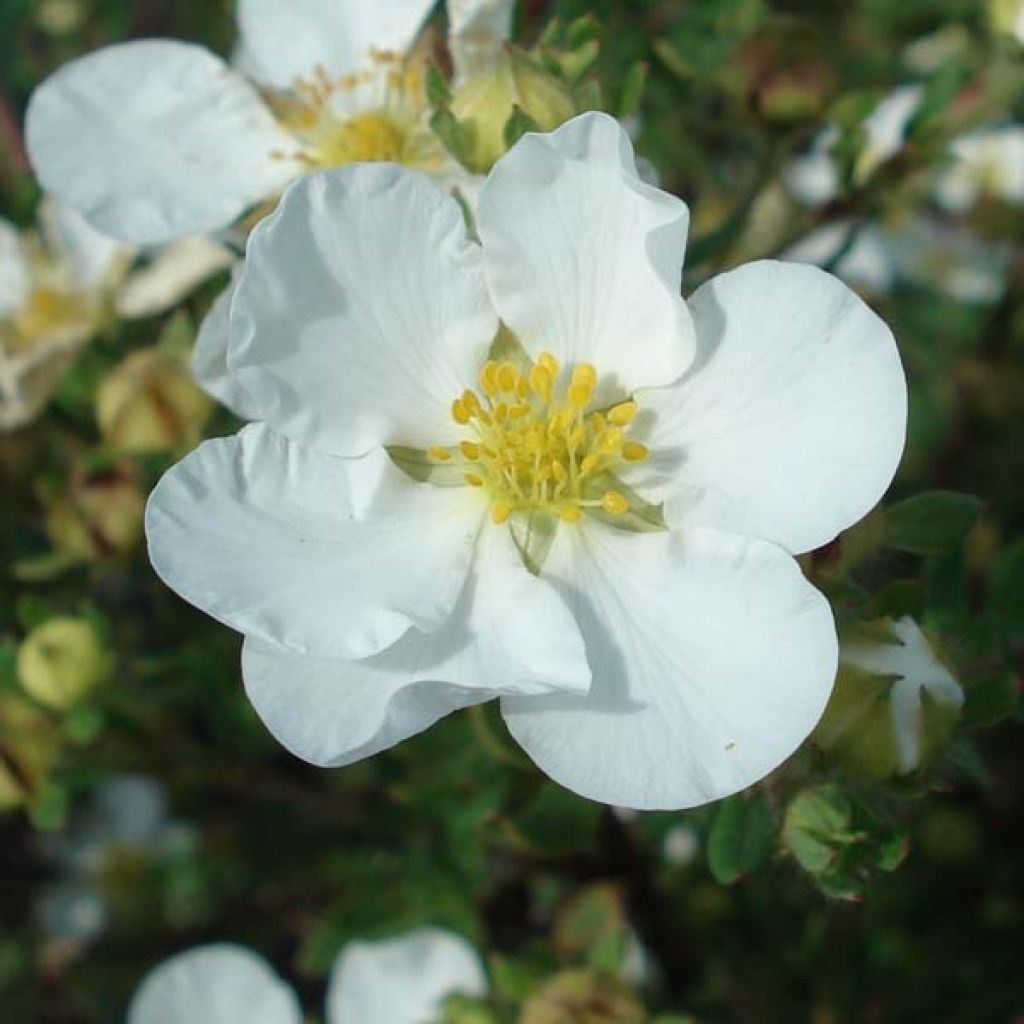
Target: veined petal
403,980
477,30
15,277
509,633
215,984
92,260
185,149
313,553
282,42
171,274
791,422
583,258
362,311
713,659
210,356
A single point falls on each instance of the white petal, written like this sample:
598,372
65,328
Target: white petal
362,311
210,356
402,980
989,161
864,264
216,984
171,275
282,42
812,178
15,276
477,31
914,661
885,128
155,139
91,259
713,659
583,258
791,422
314,553
509,633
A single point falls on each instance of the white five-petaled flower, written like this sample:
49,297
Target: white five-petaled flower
59,284
642,660
404,980
190,144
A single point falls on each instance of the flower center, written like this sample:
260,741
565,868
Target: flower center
45,313
534,445
376,115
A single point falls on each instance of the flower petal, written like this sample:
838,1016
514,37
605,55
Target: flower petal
403,980
362,311
509,633
713,658
282,42
477,32
15,277
317,554
583,258
215,984
91,259
210,356
172,274
791,423
185,149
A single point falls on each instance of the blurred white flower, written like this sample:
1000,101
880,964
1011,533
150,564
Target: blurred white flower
647,657
58,286
404,980
855,253
919,674
155,139
681,845
985,163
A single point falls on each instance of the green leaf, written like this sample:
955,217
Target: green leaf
1008,589
932,523
518,124
741,838
439,93
633,89
899,599
816,826
991,700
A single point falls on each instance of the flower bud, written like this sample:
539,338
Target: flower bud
149,403
60,661
485,103
895,702
581,997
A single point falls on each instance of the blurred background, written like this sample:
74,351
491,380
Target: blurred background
143,807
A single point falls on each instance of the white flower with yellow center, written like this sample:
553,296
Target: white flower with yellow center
60,284
404,980
155,139
430,513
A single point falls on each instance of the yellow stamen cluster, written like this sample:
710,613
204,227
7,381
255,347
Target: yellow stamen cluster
375,115
535,445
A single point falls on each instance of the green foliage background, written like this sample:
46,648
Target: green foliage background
455,827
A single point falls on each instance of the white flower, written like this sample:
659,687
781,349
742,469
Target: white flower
986,163
918,672
857,254
813,179
155,139
57,287
641,664
397,981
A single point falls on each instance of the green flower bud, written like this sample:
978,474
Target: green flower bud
895,702
60,661
484,105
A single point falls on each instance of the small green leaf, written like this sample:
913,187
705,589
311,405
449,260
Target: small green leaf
816,826
991,700
741,838
633,89
439,93
517,125
932,523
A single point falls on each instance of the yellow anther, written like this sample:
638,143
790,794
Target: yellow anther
488,453
634,451
549,363
597,422
473,480
559,472
501,412
614,503
584,373
508,377
500,513
590,463
581,394
489,378
610,441
471,402
440,454
522,387
459,412
622,414
470,450
541,382
571,514
517,412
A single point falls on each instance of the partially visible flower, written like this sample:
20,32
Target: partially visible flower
814,178
404,980
193,143
987,163
1007,16
895,703
590,513
60,285
477,33
60,661
857,253
680,845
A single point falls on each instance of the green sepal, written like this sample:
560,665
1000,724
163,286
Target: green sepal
642,517
415,463
534,533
